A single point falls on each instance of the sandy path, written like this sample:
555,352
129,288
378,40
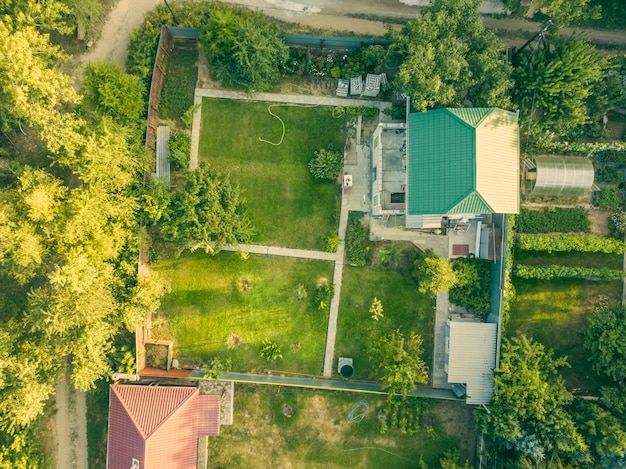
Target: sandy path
115,36
71,426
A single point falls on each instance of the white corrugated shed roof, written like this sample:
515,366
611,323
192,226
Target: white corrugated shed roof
472,358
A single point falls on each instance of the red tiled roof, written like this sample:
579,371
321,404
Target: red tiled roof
159,425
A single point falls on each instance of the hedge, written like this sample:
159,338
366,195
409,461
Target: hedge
549,272
580,243
555,220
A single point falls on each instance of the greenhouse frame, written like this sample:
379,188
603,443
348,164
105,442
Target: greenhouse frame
567,176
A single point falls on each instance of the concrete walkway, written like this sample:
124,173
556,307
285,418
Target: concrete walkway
333,385
440,378
284,252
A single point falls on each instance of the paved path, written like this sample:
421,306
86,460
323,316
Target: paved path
284,252
333,385
333,313
440,378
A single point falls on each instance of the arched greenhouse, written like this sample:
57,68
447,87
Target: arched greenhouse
566,176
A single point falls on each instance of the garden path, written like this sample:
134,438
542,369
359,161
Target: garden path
333,384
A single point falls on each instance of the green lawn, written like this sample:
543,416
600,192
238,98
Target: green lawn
319,434
206,306
404,308
287,205
555,313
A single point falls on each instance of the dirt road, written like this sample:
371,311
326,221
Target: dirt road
71,427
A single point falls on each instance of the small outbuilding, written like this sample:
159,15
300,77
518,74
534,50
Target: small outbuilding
566,176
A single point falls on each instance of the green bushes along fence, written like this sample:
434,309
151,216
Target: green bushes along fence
580,243
555,220
549,272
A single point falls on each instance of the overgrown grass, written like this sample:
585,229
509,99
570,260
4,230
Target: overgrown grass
221,296
319,434
404,308
97,425
555,313
287,205
180,81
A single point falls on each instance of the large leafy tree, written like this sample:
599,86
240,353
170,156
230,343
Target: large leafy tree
434,275
448,51
563,12
529,411
553,85
605,341
398,361
244,48
208,212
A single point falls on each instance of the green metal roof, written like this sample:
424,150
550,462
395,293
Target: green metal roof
443,175
471,115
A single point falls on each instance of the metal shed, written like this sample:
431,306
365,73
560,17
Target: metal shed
569,176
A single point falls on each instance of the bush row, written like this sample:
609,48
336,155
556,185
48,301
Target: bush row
553,220
549,272
580,243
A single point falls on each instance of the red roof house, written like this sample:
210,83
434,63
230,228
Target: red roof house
158,426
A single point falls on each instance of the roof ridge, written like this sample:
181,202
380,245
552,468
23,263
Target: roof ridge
174,411
127,409
465,199
472,116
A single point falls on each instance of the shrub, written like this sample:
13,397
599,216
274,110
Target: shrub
331,242
270,351
323,295
358,245
617,221
362,110
580,243
326,164
301,292
187,117
217,367
549,272
180,147
608,197
610,175
553,220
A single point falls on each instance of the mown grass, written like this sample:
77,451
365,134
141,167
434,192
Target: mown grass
555,313
206,306
404,308
319,434
287,205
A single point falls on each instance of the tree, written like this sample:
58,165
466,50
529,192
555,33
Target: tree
209,210
605,341
244,49
563,12
326,164
434,275
33,89
529,408
397,361
555,83
601,429
447,51
109,90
